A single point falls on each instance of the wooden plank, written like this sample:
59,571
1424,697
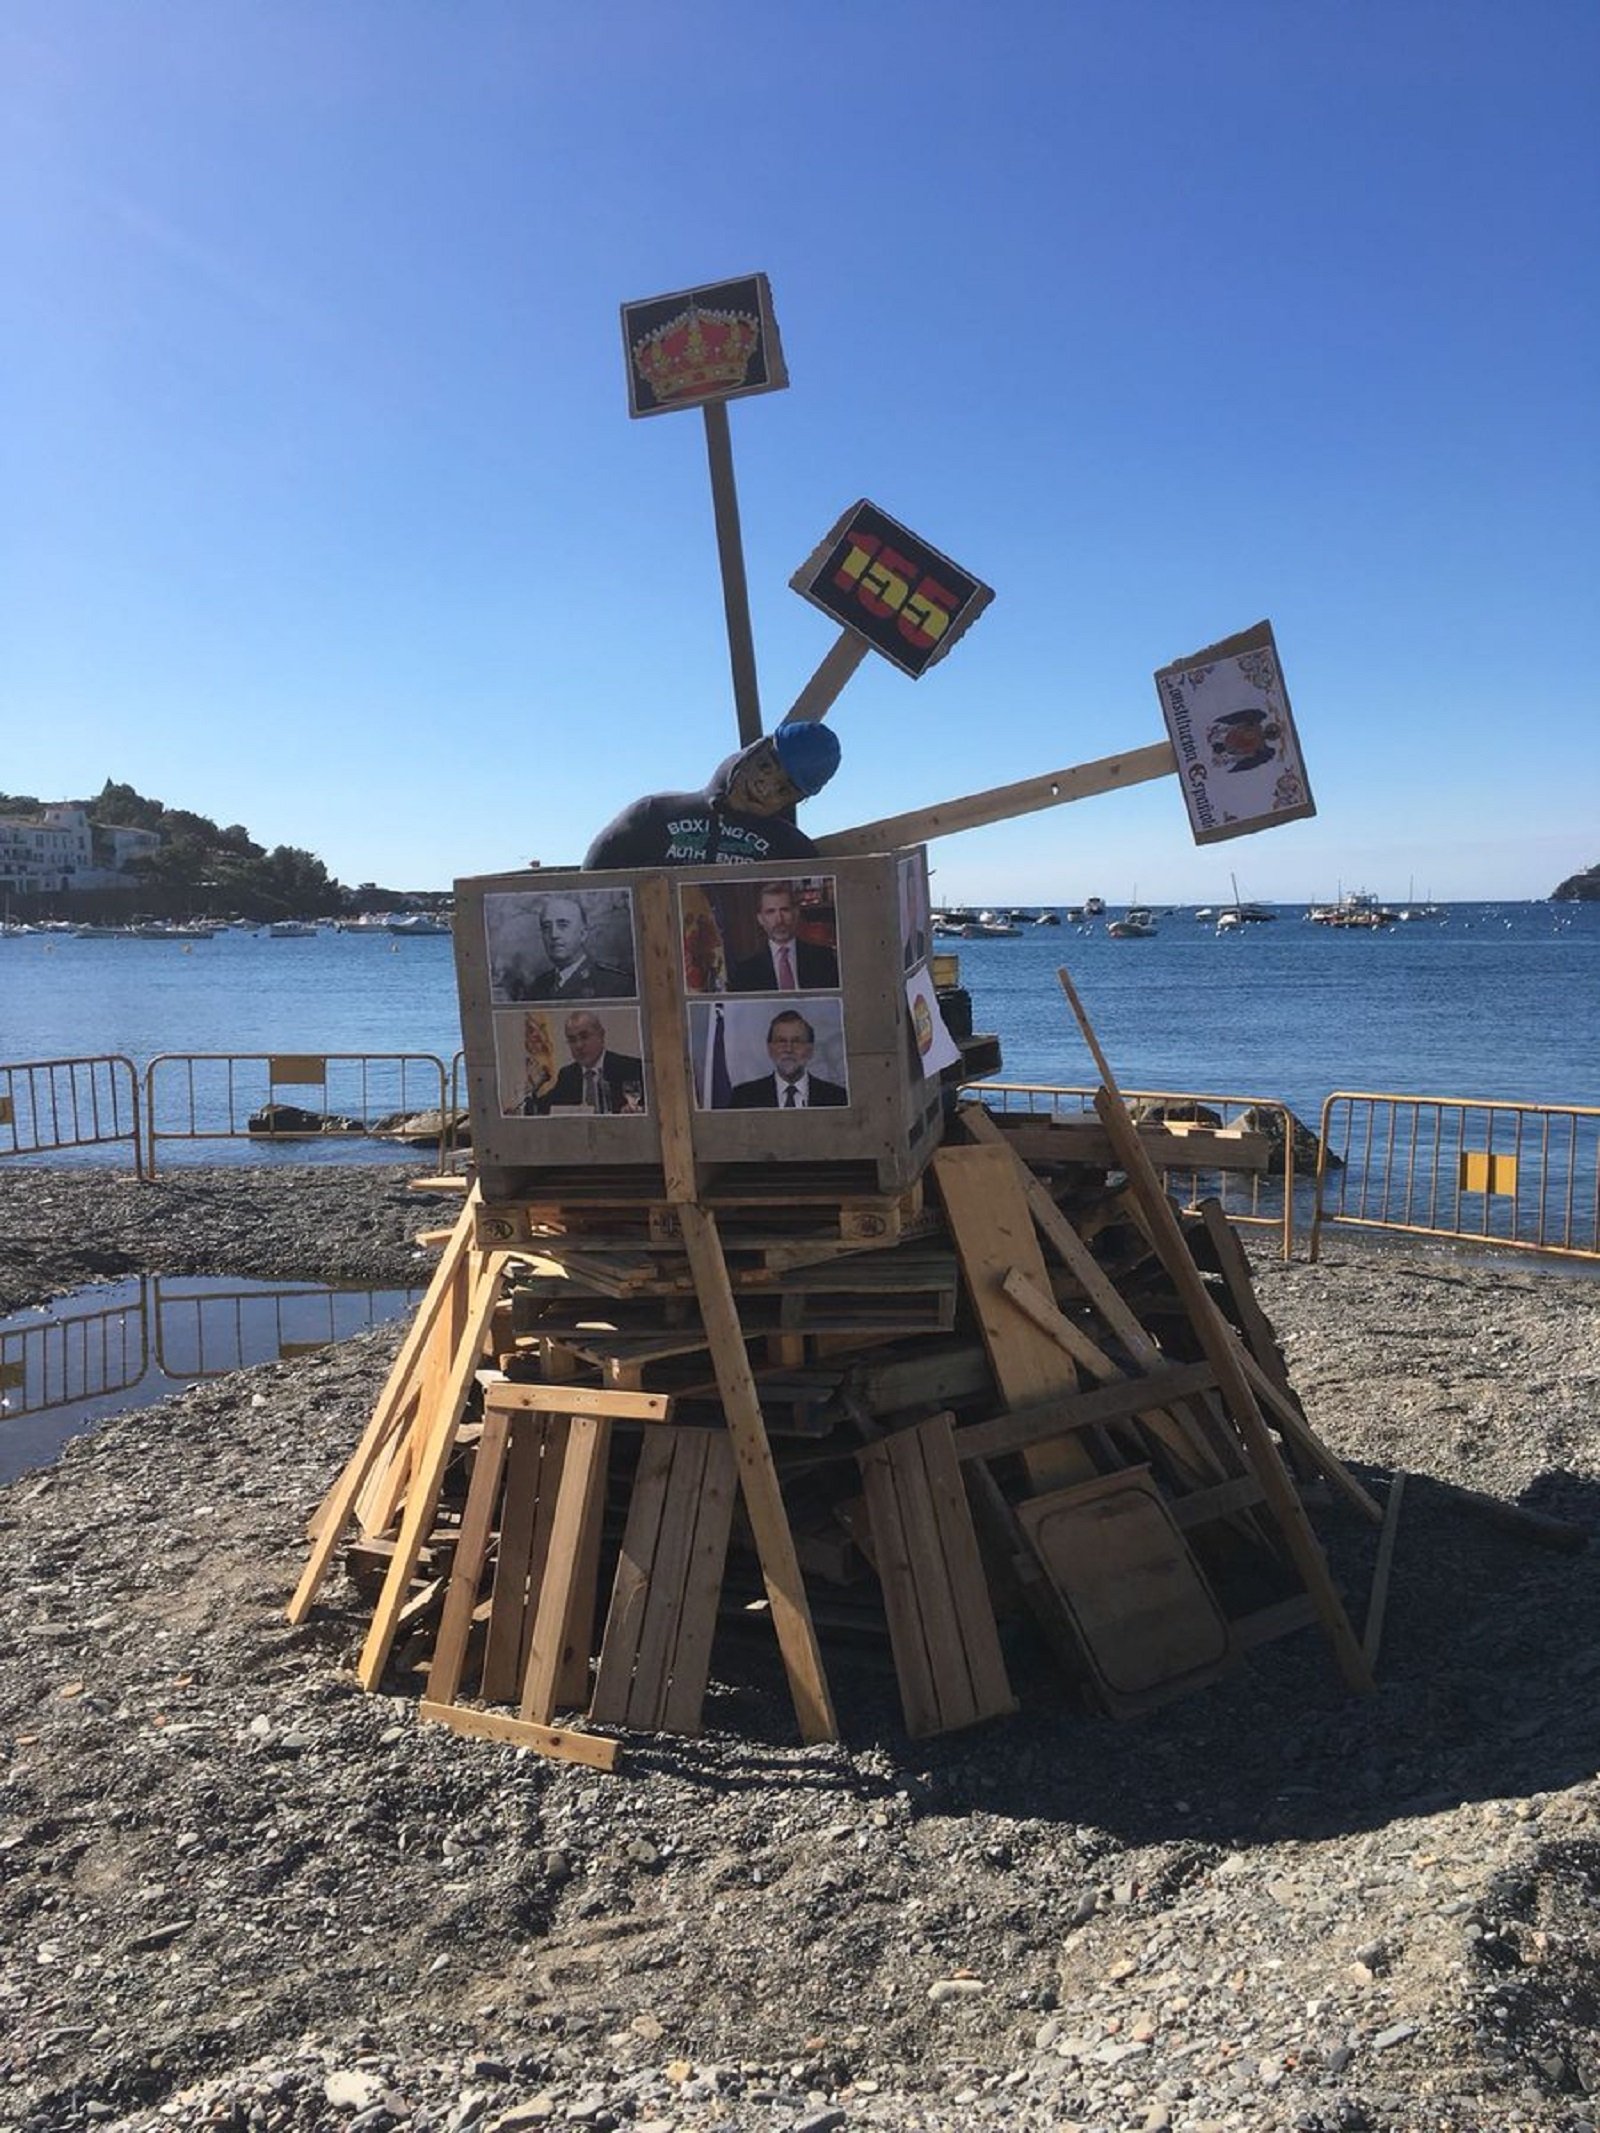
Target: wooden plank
398,1388
653,1666
630,1587
466,1571
1192,1459
1216,1338
1378,1598
892,1559
666,1030
947,1660
560,1743
422,1496
969,1590
1021,1426
691,1659
537,1447
758,1480
1001,803
1221,1501
512,1397
1068,1246
989,1220
564,1615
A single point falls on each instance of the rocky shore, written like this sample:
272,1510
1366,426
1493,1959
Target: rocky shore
237,1892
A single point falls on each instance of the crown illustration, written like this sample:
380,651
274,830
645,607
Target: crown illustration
697,354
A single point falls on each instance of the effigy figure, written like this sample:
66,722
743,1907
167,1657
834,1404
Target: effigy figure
738,819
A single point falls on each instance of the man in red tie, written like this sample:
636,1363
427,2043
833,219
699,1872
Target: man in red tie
785,963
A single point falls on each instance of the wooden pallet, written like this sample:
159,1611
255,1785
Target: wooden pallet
923,1546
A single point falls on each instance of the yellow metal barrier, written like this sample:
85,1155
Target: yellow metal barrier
270,1097
1248,1193
47,1105
1524,1176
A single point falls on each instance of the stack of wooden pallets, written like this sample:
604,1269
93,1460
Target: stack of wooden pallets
1023,1390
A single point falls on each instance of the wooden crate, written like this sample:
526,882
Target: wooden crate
671,977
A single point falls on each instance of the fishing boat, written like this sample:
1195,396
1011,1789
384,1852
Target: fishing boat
1357,908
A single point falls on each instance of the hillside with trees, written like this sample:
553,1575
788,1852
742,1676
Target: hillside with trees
201,870
1582,888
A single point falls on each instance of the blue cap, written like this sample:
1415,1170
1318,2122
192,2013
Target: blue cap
808,752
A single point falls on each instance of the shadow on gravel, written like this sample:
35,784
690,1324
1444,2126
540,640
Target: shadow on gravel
1487,1679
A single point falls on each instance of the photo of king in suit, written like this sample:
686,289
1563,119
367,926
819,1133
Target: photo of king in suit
784,962
597,1079
791,1086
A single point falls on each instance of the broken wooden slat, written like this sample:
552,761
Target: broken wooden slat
561,1743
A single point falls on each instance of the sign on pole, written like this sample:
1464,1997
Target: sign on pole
715,343
1239,762
878,580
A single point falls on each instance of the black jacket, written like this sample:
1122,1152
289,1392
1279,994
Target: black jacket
680,829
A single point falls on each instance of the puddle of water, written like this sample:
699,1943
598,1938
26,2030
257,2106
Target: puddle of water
69,1364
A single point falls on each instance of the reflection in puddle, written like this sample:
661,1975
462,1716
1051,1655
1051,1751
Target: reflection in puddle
122,1344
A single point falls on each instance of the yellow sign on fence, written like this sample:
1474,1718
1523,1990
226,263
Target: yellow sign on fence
297,1069
1483,1172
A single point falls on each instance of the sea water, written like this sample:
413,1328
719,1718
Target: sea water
1481,1001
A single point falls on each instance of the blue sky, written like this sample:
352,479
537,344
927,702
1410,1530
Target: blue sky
321,510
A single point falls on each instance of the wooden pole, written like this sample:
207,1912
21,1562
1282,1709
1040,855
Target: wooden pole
818,696
735,592
758,1478
1002,802
1216,1337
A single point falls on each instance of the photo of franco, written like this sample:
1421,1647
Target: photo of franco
560,945
791,1086
784,962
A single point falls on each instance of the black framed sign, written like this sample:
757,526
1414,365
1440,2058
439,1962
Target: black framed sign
877,578
716,343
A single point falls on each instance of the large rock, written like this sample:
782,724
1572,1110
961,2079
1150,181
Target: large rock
1270,1125
425,1129
290,1118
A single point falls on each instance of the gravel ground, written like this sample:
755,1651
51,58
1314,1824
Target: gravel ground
235,1891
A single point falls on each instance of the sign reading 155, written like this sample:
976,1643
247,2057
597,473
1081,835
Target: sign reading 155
876,578
883,579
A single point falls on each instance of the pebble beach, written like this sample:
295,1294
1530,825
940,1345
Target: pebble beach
236,1891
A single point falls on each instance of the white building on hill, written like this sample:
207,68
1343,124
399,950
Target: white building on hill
60,848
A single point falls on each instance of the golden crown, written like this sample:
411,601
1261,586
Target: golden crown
697,354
